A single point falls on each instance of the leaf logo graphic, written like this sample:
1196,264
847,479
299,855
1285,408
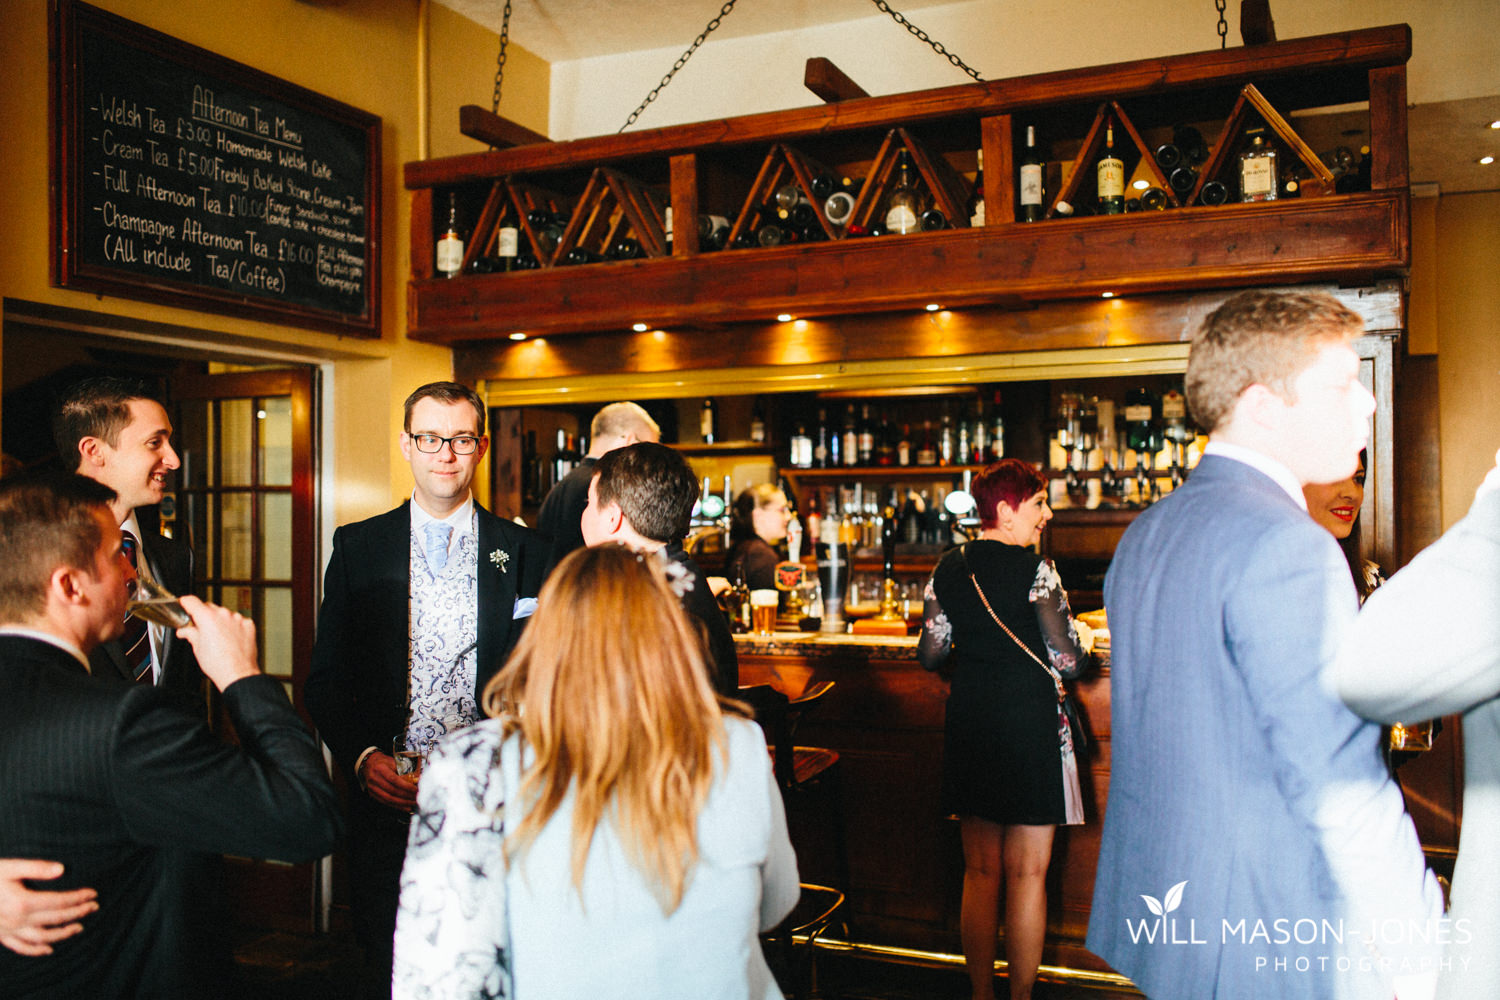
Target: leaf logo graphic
1168,903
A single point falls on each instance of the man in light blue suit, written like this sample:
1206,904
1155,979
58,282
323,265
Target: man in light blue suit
1254,845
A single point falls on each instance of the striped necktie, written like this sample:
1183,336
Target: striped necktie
136,639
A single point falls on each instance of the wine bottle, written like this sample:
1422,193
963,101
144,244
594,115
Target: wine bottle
1213,193
773,235
1168,157
820,446
976,200
789,196
666,227
933,219
903,446
838,207
757,423
578,255
1032,179
1111,176
1154,199
904,207
1190,141
625,248
508,247
1258,178
823,185
1182,179
800,448
450,246
946,441
708,420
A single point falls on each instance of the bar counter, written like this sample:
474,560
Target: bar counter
903,872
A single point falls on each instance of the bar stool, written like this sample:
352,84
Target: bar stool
800,770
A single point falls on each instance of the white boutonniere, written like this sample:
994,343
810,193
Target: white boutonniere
500,558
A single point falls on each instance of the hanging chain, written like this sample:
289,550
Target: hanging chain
1223,25
681,62
936,45
500,63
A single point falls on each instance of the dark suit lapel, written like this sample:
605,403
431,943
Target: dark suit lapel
498,569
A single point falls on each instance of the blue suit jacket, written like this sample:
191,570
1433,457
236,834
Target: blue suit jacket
1242,792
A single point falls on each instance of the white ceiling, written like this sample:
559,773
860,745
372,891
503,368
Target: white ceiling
561,30
1446,139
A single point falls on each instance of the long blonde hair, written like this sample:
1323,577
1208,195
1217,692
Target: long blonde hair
609,690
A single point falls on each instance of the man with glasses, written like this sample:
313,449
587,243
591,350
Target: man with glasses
421,605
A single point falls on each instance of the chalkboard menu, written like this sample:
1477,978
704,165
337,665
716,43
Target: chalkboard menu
190,179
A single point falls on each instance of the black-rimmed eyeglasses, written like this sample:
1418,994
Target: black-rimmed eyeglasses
431,444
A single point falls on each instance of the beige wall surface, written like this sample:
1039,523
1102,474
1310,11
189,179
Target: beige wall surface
361,52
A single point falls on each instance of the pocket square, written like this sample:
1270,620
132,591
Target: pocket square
525,608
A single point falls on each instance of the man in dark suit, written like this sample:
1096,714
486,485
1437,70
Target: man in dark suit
1254,844
112,781
615,426
421,606
112,430
641,496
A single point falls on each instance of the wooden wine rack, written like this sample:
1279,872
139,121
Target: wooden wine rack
616,185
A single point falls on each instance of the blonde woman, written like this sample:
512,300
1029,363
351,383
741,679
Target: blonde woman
614,831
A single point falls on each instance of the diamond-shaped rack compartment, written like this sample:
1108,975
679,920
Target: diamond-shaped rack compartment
613,206
948,190
1082,186
527,200
783,165
1252,102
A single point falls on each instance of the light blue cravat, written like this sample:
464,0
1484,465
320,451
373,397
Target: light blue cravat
437,544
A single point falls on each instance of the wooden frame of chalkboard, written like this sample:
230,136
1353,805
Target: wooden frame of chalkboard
185,178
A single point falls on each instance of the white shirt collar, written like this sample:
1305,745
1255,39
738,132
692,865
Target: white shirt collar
31,633
1261,462
462,519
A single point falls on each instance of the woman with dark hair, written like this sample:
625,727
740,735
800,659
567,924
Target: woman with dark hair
614,831
1336,507
757,525
1009,771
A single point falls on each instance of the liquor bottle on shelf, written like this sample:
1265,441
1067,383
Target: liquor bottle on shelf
849,443
903,446
976,200
757,422
1109,483
450,246
885,442
927,450
820,443
903,211
1258,176
865,436
997,431
1110,173
946,442
963,443
566,459
1143,436
508,247
800,448
1031,180
1177,429
666,227
979,437
708,420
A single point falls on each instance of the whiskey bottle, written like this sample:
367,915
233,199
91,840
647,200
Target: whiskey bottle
708,420
1110,173
1258,178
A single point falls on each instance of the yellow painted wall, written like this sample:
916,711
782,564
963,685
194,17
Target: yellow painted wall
1468,309
361,52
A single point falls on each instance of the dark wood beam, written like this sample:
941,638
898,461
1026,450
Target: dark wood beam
829,82
489,128
1256,26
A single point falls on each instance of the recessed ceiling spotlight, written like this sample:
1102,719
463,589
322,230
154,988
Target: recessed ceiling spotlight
933,307
1486,160
518,336
783,317
1141,184
1495,124
1106,295
639,327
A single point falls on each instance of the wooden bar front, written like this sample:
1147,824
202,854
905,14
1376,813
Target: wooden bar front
884,716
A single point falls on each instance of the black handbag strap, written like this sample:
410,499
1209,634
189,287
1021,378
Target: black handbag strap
1062,693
